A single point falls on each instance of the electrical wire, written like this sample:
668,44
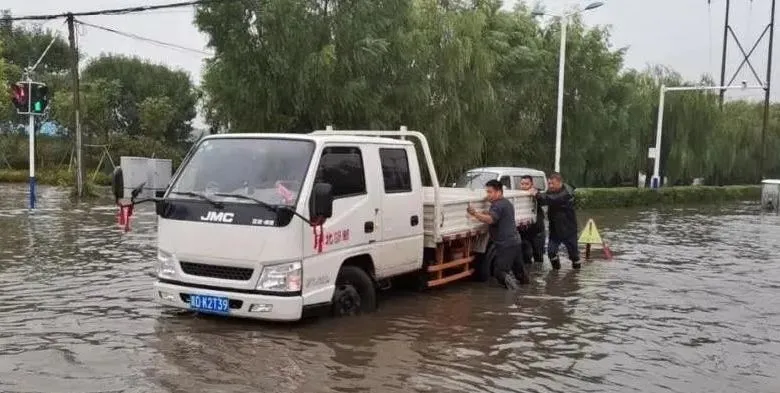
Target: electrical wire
146,39
116,11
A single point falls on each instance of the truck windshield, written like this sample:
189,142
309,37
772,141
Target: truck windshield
475,180
268,170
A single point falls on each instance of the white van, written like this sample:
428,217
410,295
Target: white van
508,176
274,226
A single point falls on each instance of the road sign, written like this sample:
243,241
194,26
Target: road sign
590,235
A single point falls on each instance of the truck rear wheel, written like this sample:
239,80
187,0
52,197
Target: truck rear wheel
355,292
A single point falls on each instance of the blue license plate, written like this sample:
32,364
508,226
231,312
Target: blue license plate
210,304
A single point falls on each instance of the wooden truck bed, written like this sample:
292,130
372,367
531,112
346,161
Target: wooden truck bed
454,221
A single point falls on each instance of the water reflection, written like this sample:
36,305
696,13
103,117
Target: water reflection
689,304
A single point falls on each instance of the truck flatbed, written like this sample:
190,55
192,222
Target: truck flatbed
455,222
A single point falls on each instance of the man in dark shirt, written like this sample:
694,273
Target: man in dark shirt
532,234
503,232
559,200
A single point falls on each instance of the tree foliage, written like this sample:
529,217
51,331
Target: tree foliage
479,81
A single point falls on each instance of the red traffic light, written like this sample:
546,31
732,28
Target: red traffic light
20,96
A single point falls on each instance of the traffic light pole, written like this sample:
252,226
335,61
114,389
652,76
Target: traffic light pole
31,133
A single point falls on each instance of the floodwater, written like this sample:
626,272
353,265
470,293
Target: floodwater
691,303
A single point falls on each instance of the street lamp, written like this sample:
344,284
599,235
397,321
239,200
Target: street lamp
561,65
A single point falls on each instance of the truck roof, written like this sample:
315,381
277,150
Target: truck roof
507,169
316,137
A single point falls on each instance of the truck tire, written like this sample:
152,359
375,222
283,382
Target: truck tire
355,292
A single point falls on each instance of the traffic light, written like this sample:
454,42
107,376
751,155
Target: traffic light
39,98
20,97
29,101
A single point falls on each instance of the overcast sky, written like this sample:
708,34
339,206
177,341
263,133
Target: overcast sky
683,34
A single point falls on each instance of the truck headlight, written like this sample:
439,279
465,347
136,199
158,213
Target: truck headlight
285,277
166,264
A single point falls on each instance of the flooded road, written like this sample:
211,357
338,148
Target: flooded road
690,304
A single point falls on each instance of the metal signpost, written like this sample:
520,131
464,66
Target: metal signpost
655,152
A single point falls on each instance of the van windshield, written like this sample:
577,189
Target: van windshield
269,170
475,180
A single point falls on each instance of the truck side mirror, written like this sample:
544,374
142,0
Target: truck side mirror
118,184
321,201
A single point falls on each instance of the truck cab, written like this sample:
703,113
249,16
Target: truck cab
231,238
508,176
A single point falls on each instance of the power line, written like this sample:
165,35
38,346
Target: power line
115,11
140,38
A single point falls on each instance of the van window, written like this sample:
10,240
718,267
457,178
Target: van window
475,180
506,182
395,170
539,182
342,168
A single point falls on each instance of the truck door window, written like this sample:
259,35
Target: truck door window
342,168
505,181
395,170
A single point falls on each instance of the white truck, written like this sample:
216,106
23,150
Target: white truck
277,226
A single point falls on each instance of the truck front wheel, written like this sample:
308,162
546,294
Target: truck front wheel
355,292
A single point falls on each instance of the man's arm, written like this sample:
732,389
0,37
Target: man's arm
557,199
488,217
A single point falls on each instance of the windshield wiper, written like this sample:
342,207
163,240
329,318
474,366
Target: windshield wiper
273,208
216,204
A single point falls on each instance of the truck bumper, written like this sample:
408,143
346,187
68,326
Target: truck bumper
271,308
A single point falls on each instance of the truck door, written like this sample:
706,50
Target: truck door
354,207
402,210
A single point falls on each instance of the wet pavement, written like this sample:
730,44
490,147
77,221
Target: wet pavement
691,303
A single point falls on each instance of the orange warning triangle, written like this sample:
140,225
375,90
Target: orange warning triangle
590,235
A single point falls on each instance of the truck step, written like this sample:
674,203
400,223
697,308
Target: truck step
448,265
454,277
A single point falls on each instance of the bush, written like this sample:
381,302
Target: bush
594,198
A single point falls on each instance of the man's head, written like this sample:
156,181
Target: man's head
494,189
526,182
555,182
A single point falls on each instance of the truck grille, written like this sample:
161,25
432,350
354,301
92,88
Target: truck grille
216,271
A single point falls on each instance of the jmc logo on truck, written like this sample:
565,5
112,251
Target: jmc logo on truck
218,217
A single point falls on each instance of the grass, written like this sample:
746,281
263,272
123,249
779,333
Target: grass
587,198
596,198
60,178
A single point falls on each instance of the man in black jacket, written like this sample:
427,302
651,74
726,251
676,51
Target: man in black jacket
559,200
533,233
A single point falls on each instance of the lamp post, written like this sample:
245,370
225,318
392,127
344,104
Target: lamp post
561,68
655,152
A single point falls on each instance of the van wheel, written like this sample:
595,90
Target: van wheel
355,292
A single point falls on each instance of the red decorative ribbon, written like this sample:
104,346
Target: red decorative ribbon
123,216
319,234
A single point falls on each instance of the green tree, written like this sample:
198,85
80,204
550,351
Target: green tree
140,80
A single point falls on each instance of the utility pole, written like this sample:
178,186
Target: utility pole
765,124
76,103
770,28
726,28
31,134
